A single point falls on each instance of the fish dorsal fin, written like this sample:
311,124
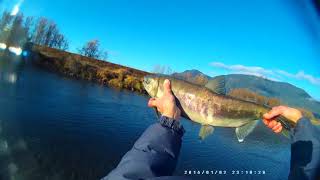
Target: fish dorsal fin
243,131
217,85
205,131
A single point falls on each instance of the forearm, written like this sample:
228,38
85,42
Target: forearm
154,154
305,150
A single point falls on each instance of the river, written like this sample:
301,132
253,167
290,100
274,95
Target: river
53,127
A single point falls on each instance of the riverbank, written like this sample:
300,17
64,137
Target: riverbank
81,67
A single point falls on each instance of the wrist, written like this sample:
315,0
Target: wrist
297,116
168,115
173,115
170,123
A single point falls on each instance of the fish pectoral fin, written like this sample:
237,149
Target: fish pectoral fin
205,131
217,85
243,131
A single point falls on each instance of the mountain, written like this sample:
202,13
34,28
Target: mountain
193,76
192,72
285,92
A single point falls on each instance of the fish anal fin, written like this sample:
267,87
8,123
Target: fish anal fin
243,131
217,85
205,131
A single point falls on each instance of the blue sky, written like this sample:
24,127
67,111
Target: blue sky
277,39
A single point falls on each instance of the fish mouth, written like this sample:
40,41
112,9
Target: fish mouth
147,79
148,84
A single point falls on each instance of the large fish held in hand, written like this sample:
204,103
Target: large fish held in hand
211,107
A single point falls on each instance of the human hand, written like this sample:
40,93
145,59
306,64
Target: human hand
166,104
291,114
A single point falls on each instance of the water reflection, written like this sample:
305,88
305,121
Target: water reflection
10,66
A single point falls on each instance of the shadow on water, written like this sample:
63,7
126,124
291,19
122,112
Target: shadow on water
52,127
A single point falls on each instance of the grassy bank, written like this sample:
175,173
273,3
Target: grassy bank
81,67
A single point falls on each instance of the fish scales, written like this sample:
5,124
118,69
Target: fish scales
207,107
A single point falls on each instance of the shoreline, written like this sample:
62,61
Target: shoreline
89,69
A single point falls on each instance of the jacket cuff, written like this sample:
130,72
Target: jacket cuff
172,124
302,130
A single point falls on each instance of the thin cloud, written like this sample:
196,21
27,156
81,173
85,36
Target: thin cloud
276,75
242,68
308,77
301,75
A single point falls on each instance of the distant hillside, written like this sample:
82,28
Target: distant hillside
193,76
287,93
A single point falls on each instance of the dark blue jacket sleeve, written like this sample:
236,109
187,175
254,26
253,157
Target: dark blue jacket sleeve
154,154
305,151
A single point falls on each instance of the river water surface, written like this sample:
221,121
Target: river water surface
52,127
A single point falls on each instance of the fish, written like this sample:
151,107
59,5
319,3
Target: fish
211,107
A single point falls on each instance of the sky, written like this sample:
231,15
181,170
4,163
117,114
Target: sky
276,39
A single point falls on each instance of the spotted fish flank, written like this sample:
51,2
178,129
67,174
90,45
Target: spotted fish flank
210,106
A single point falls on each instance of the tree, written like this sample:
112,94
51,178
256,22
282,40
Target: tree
5,22
17,30
40,31
29,26
60,42
50,33
47,33
18,34
92,49
105,55
6,19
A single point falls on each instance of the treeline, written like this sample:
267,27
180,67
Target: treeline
18,30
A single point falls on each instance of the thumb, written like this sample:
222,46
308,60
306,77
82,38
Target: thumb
153,102
167,86
276,111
